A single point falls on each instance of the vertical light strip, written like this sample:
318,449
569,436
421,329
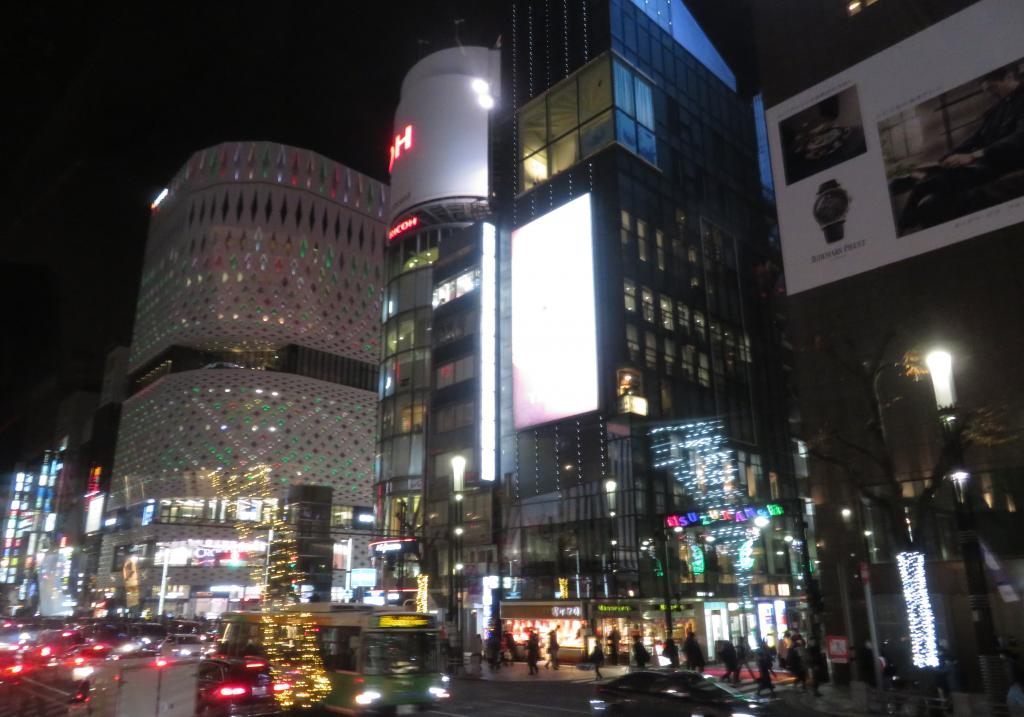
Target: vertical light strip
488,353
924,648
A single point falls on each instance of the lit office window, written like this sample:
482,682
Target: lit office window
648,301
629,295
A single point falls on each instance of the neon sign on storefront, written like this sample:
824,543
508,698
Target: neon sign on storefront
737,515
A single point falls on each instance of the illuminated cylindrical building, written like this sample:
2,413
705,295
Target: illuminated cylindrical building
439,187
254,357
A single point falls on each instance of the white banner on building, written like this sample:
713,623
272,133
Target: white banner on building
918,147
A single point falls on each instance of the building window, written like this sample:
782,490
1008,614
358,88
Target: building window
683,317
667,319
699,327
670,356
641,240
659,248
650,349
454,416
648,300
634,118
629,295
455,372
453,288
565,125
633,343
704,371
690,362
773,484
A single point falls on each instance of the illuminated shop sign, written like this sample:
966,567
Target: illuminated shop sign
400,545
697,559
402,227
724,515
403,142
405,621
614,608
567,611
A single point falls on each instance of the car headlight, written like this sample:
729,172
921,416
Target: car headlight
368,697
81,673
438,692
598,705
742,714
184,652
445,679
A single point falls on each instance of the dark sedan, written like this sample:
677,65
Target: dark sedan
238,688
675,693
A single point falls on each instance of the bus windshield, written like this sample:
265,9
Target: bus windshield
400,653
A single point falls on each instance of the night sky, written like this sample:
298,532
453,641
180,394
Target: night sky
106,100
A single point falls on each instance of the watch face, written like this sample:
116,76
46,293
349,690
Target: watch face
831,206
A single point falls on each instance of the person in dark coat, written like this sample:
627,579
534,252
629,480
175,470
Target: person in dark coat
764,669
614,638
671,652
731,661
597,659
640,654
533,653
692,652
795,662
552,650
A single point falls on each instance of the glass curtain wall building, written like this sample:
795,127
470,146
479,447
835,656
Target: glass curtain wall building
629,102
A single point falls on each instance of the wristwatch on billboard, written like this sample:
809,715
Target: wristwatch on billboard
830,208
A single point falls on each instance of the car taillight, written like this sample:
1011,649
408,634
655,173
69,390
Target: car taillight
161,662
15,669
282,686
255,665
45,651
231,691
79,661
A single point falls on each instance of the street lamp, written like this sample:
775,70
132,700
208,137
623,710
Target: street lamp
458,464
940,368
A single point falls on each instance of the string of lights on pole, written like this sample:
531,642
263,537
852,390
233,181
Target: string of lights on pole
924,648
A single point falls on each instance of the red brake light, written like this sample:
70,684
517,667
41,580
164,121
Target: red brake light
161,662
45,651
231,691
67,633
99,647
79,660
15,669
255,665
281,687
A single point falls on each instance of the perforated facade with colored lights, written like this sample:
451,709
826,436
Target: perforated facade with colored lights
257,245
254,359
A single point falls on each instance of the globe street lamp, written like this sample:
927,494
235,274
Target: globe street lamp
940,367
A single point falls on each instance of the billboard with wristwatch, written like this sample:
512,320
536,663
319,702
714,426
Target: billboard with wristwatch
913,149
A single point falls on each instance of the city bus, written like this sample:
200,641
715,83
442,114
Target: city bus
376,659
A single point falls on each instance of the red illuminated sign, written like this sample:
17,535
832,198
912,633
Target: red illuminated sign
403,142
403,226
94,480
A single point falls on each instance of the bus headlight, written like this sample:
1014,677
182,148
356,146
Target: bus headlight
368,697
438,692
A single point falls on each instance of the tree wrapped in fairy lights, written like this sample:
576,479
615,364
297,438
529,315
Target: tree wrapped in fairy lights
289,637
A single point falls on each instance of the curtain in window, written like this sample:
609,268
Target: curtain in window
644,104
623,88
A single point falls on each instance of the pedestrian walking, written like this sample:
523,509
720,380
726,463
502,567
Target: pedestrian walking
552,650
614,638
727,654
764,669
743,659
533,653
783,649
640,654
692,652
796,664
671,652
597,658
493,652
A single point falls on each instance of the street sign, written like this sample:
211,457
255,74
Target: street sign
838,649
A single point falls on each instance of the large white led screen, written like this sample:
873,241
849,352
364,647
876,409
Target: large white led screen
554,326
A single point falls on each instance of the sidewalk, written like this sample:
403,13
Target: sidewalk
833,701
519,672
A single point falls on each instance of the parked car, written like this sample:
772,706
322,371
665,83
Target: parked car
665,693
238,688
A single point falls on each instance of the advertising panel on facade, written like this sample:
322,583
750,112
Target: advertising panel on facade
554,324
439,146
913,149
